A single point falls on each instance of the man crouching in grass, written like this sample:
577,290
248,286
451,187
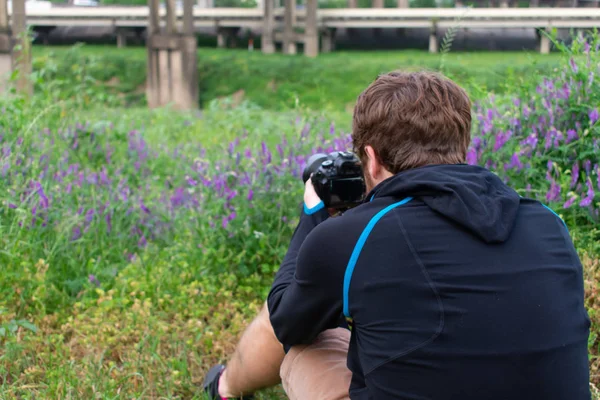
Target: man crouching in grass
444,284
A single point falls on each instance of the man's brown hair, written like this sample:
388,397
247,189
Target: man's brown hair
412,120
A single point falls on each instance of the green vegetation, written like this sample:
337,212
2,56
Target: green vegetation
136,245
330,82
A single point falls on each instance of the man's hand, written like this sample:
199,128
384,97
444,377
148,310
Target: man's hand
311,198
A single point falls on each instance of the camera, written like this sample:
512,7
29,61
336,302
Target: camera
337,178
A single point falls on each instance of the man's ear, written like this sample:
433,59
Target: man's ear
373,165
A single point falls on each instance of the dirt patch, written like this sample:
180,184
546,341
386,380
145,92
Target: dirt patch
272,86
114,81
238,97
141,89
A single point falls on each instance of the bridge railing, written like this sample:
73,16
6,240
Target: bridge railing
329,19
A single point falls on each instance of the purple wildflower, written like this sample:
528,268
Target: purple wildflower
472,157
76,234
143,207
565,92
573,65
231,194
531,140
142,242
554,192
93,280
587,200
89,215
501,139
108,220
593,114
574,174
570,202
190,181
515,162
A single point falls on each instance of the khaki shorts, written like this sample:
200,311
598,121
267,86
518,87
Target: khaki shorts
318,371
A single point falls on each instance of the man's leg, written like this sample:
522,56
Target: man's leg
256,362
318,370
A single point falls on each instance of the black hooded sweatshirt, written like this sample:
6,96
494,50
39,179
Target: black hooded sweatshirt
455,287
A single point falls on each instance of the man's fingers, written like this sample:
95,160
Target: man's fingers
311,199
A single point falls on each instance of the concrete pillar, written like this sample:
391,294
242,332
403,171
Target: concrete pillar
6,47
22,57
5,61
328,40
534,3
171,16
172,60
433,42
268,46
403,4
152,59
544,43
13,58
311,34
352,4
221,38
504,4
121,37
289,22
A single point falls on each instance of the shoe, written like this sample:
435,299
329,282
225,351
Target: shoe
211,384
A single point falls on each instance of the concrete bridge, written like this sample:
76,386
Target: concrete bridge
171,37
293,26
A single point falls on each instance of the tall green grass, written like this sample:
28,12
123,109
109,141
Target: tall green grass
137,245
330,82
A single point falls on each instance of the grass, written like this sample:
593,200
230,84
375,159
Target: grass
330,82
106,315
155,324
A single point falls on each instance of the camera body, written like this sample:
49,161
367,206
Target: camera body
337,178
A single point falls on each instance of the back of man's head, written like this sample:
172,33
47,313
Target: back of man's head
412,120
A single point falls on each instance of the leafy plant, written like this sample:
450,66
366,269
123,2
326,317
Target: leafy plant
136,245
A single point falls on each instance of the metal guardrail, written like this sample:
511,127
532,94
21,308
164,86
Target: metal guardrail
331,18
